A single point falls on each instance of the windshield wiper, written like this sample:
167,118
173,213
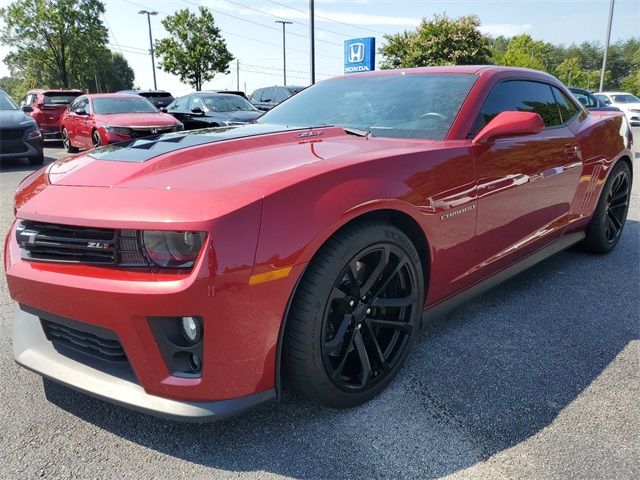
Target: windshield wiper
358,132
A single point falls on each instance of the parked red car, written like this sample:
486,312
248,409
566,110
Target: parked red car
101,119
180,275
48,108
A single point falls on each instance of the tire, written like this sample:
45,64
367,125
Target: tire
330,330
38,159
607,224
95,139
66,142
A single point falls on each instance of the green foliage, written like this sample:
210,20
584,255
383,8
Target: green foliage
524,51
437,41
55,41
195,50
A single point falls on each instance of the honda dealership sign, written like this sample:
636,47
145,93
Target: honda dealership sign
359,55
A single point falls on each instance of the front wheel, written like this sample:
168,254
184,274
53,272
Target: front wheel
355,315
605,228
96,139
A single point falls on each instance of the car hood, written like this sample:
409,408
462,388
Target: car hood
12,118
215,158
239,116
136,119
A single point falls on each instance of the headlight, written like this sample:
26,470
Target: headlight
173,249
34,134
121,130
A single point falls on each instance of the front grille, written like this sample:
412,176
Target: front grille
11,133
13,147
99,343
147,132
68,244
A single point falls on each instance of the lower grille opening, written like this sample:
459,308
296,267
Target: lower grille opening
100,343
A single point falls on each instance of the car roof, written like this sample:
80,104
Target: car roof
59,90
457,69
110,95
616,93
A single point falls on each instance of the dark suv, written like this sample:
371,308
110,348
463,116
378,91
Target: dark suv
20,136
268,97
159,98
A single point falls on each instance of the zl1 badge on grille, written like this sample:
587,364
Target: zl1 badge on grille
99,245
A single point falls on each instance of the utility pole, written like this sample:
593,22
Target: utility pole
606,46
284,48
312,35
237,74
153,60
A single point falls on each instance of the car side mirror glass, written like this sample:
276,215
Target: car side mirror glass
27,108
509,124
197,110
80,111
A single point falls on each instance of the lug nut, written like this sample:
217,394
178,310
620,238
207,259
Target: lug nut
368,311
352,303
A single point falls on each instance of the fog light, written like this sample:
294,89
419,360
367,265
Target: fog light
196,364
190,329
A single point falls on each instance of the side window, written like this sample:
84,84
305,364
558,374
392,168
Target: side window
587,100
281,95
179,103
523,96
196,102
604,99
256,96
77,103
23,102
568,110
268,95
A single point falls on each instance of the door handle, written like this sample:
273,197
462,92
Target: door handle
571,150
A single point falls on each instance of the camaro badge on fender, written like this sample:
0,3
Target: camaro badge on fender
458,212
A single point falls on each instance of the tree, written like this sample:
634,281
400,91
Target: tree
54,40
524,51
196,50
440,41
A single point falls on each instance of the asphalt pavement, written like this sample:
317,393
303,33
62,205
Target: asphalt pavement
538,378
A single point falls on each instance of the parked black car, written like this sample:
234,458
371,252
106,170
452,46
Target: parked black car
159,98
230,92
20,136
204,109
268,97
590,101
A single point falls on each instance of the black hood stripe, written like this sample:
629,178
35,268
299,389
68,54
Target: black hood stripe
143,149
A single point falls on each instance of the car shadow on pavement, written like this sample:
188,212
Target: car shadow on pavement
22,164
480,380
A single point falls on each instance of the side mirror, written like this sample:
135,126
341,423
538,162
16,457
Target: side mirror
80,111
509,124
27,108
197,111
164,110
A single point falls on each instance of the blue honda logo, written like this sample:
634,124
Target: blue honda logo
359,55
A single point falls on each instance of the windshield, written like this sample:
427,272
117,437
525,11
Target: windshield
626,98
226,103
109,106
59,98
401,106
154,94
6,103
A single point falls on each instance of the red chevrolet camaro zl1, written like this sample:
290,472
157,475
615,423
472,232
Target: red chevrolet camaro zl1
181,274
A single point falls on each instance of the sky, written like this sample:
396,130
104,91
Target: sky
255,40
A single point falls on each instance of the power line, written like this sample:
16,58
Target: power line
328,19
257,23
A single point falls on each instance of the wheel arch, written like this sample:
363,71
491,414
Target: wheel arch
398,218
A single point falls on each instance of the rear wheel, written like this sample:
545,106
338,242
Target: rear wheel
355,315
37,159
95,138
66,142
605,228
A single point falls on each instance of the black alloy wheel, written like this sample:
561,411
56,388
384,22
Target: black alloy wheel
368,317
605,229
617,205
355,315
96,139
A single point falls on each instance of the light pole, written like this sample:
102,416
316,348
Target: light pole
606,46
153,61
284,48
312,36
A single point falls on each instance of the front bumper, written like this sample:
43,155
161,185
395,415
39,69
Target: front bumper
35,352
31,148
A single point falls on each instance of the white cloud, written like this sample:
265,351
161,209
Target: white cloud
505,29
